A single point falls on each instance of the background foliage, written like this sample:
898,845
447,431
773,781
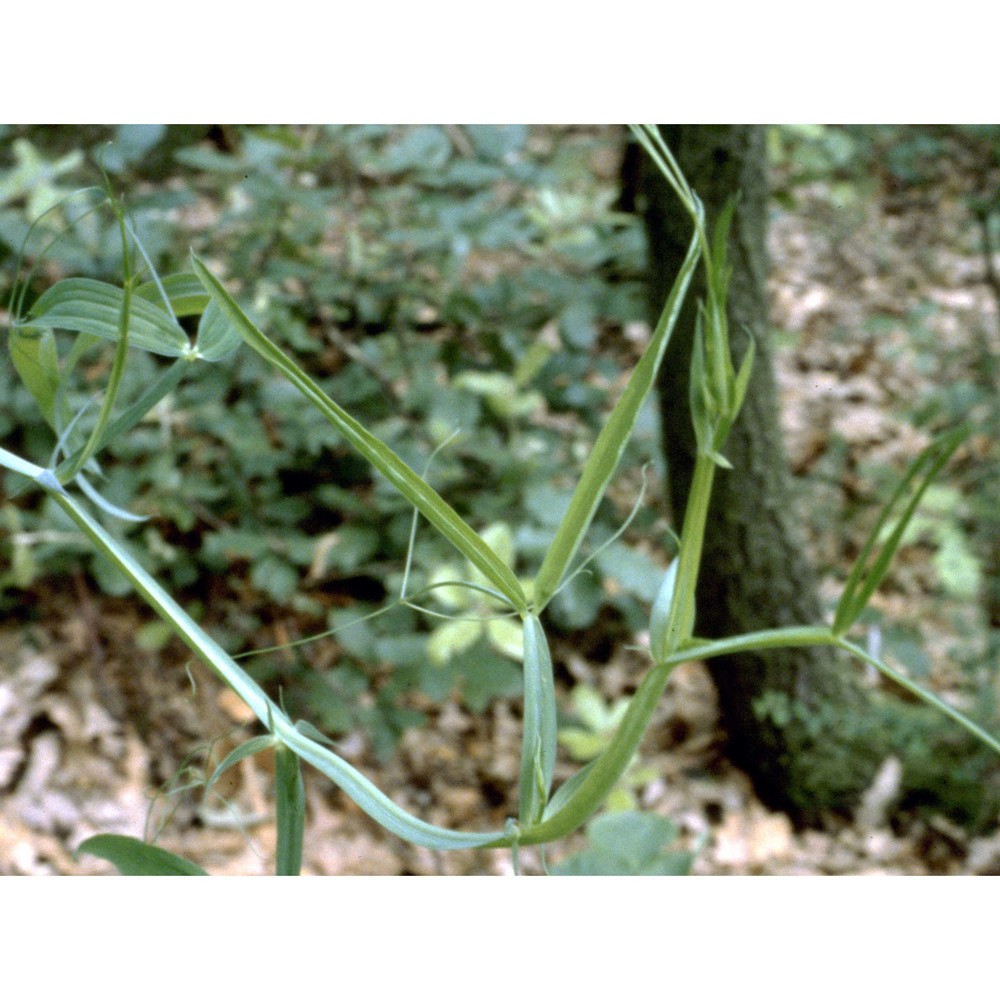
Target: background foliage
434,280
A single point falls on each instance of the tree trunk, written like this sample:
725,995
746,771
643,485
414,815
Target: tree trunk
798,721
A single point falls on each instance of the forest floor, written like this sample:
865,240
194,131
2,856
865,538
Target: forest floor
91,725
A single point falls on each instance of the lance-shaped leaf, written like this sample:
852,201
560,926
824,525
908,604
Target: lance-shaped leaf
33,352
611,442
188,630
648,136
740,385
217,337
135,857
923,694
416,490
871,565
94,307
538,751
659,635
377,804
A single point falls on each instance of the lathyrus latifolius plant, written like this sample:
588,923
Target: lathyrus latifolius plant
144,316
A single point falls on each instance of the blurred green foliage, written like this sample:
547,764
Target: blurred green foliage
432,279
629,843
919,169
591,731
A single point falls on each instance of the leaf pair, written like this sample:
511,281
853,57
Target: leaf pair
416,490
540,726
873,562
94,307
597,472
611,442
145,318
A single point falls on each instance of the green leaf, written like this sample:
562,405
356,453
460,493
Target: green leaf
501,393
660,644
634,571
217,337
578,325
593,710
275,576
130,145
188,630
379,806
641,835
500,539
416,490
870,567
649,137
698,401
743,377
309,730
95,307
165,383
93,442
957,565
681,616
567,793
611,442
583,744
33,352
938,520
422,147
538,752
186,294
596,861
600,718
497,142
135,857
290,799
483,676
